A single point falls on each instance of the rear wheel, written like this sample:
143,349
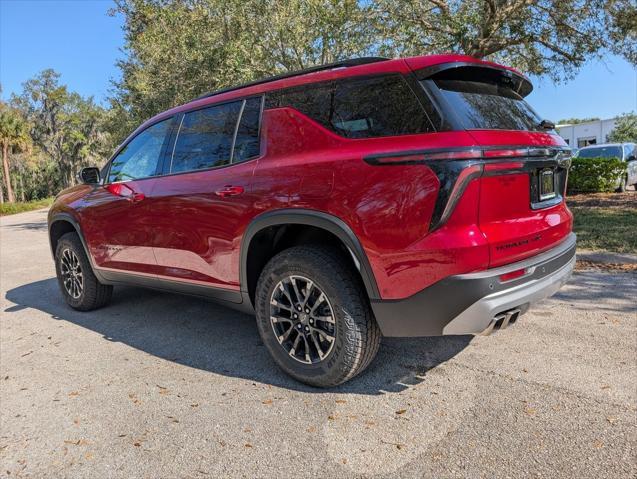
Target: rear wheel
314,317
622,184
79,286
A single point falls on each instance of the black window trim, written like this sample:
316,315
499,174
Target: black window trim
407,78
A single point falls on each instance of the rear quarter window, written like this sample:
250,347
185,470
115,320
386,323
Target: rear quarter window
358,107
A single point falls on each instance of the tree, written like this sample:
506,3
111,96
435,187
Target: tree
625,130
541,37
14,136
576,121
178,50
65,126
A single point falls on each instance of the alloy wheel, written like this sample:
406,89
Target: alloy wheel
302,319
71,271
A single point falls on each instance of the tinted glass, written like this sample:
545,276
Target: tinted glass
205,137
375,107
313,101
490,106
601,152
140,156
359,108
246,145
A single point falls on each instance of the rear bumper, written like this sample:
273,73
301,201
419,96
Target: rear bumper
469,303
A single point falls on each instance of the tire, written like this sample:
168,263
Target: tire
82,290
356,336
622,185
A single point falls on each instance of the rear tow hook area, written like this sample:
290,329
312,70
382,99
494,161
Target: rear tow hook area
501,321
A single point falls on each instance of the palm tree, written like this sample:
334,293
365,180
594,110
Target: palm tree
14,136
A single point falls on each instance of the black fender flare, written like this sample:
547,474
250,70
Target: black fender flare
69,218
318,219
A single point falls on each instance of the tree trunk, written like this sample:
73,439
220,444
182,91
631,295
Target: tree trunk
22,188
15,188
5,168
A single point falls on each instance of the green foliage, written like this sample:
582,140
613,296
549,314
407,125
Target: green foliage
66,128
576,121
595,174
178,49
625,130
543,37
21,207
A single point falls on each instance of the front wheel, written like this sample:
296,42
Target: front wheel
79,286
314,317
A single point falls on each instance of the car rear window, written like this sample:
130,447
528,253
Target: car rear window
601,152
358,107
481,98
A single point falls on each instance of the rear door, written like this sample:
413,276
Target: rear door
117,216
203,200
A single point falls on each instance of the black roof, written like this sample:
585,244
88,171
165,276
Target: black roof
328,66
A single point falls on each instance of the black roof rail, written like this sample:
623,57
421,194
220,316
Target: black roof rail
352,62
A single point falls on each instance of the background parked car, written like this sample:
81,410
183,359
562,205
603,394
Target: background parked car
624,151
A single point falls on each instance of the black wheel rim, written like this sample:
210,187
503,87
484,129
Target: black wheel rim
71,271
302,319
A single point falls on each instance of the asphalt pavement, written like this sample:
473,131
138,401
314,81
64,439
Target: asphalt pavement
160,385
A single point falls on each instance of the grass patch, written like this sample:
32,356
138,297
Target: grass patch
606,228
21,207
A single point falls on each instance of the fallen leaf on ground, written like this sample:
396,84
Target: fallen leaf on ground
401,411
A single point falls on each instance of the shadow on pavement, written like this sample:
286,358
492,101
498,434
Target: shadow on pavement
201,334
595,288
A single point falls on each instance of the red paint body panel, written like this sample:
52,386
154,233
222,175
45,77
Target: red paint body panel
182,229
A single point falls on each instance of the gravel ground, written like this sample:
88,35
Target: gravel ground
159,385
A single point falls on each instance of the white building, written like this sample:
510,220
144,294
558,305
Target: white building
584,134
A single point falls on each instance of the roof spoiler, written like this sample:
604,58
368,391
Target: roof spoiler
521,84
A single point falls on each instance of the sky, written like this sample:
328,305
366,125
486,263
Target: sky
78,39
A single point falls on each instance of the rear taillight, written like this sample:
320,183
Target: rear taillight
456,167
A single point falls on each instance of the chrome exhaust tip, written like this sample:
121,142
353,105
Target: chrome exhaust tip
501,321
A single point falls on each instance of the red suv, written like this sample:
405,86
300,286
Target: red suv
409,197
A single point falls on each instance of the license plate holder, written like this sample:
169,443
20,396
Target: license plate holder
546,184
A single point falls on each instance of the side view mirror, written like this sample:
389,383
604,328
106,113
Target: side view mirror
89,175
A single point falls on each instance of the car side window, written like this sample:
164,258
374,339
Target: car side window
139,158
374,107
359,107
204,139
247,143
